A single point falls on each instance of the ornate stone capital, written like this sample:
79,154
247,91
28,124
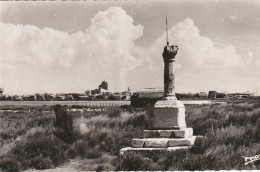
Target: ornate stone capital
169,53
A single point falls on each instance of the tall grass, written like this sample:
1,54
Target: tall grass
39,148
27,141
106,134
229,131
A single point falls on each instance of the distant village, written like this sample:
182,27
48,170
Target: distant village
103,93
100,93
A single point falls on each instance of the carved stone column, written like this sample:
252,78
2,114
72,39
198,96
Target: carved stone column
169,54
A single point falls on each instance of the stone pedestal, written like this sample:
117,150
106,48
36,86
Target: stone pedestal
169,114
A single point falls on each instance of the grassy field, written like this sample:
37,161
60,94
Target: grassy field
29,141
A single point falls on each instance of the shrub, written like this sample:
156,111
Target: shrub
41,162
256,105
39,149
242,107
84,150
137,120
134,161
8,163
113,112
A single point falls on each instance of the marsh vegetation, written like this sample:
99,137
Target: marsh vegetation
29,141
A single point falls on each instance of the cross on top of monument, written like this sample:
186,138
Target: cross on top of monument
170,51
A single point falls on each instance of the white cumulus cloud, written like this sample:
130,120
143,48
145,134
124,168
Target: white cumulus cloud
46,59
200,64
233,17
49,60
197,50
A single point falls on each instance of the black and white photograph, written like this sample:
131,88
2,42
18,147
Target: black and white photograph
129,85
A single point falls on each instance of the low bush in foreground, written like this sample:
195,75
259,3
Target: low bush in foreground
39,148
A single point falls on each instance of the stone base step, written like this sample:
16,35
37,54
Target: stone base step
151,150
162,142
183,133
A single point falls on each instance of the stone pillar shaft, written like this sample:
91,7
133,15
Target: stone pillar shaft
169,78
169,54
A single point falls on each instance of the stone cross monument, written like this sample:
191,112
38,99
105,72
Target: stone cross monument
169,112
168,130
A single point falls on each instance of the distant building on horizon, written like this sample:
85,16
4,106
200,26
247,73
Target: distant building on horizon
103,85
212,95
102,88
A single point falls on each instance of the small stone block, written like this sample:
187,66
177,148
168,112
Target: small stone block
182,141
137,143
165,133
179,133
156,143
151,134
186,132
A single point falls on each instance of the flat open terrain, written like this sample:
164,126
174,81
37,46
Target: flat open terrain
28,139
86,103
68,103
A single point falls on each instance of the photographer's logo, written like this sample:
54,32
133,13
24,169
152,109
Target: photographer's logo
249,160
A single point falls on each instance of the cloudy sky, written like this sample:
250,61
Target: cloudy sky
73,46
